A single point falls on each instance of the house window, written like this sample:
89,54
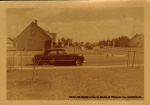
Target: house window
33,32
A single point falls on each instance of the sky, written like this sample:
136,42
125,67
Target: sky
85,24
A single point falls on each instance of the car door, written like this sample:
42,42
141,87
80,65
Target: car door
52,56
63,58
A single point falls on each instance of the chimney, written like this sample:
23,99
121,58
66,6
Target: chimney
35,22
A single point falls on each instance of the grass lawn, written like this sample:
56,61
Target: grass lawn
59,84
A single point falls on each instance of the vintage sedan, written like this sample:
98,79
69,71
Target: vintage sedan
58,57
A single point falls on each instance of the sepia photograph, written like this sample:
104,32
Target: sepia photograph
75,51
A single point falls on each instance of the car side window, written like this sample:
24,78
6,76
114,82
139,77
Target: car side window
52,53
61,52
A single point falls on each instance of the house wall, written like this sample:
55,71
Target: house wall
31,39
137,42
10,45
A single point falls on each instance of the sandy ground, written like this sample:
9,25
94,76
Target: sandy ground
60,84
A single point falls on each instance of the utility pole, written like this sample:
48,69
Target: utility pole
108,45
17,47
133,30
113,47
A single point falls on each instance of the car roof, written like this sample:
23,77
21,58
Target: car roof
55,49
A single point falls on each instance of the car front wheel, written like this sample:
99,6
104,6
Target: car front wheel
78,62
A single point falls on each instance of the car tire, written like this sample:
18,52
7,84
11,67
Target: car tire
78,62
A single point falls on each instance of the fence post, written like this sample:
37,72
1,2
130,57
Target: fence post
17,55
74,48
21,59
12,63
33,73
133,58
13,59
128,58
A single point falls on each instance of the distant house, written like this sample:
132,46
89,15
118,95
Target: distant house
67,42
60,43
56,42
35,38
137,41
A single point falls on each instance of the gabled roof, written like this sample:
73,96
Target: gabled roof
44,32
136,36
59,40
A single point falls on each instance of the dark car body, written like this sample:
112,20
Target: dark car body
58,57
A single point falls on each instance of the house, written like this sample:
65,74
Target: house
60,43
66,42
35,38
137,41
69,42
